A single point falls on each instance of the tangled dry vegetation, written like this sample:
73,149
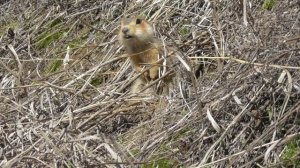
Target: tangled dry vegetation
64,85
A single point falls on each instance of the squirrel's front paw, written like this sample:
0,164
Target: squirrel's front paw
153,73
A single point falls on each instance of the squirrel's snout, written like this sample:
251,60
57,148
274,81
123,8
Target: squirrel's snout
126,33
125,30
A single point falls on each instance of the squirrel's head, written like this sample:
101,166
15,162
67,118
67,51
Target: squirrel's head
135,29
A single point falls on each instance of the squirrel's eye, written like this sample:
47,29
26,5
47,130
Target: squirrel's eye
138,21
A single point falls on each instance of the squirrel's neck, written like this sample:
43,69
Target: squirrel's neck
136,46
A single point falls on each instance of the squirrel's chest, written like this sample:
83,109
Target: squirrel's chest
149,56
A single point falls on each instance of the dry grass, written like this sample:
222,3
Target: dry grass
64,86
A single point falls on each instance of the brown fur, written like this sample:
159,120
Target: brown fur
138,39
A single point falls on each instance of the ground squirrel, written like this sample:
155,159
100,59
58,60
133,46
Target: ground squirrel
137,37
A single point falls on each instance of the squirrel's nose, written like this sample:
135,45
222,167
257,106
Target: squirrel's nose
125,30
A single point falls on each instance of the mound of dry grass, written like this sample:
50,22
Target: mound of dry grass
64,85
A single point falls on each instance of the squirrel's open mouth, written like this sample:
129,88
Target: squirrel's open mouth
127,36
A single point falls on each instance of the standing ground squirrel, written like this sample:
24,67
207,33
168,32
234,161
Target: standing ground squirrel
137,37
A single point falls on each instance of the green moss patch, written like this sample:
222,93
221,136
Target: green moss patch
268,4
46,39
161,163
96,81
291,154
184,31
54,65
